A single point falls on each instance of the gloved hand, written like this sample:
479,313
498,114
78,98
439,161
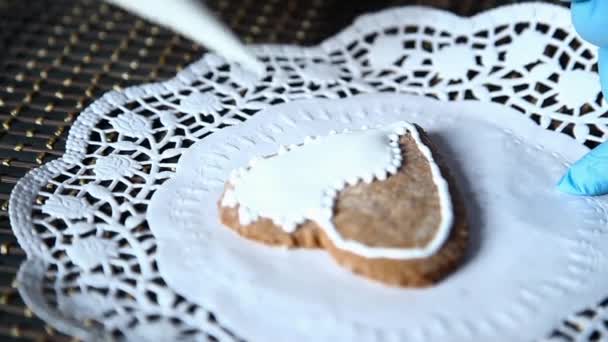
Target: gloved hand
589,175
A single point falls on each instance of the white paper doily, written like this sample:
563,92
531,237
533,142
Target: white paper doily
534,250
92,260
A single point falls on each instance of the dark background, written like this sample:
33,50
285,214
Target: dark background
57,56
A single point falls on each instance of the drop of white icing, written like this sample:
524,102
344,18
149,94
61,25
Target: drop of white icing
287,225
229,200
327,202
244,216
338,185
381,175
301,184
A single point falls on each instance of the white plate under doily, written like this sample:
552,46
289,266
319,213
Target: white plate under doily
82,219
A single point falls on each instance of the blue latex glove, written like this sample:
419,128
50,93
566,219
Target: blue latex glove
589,175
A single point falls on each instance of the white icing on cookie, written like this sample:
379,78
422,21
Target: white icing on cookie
301,183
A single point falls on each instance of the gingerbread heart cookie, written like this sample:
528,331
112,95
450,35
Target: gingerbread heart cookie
380,201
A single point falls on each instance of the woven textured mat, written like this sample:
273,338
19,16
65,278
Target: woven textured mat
57,56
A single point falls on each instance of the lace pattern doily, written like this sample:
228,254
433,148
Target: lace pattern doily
91,268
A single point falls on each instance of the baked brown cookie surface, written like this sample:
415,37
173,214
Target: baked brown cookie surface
402,211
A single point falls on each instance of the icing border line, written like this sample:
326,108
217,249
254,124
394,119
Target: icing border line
445,226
